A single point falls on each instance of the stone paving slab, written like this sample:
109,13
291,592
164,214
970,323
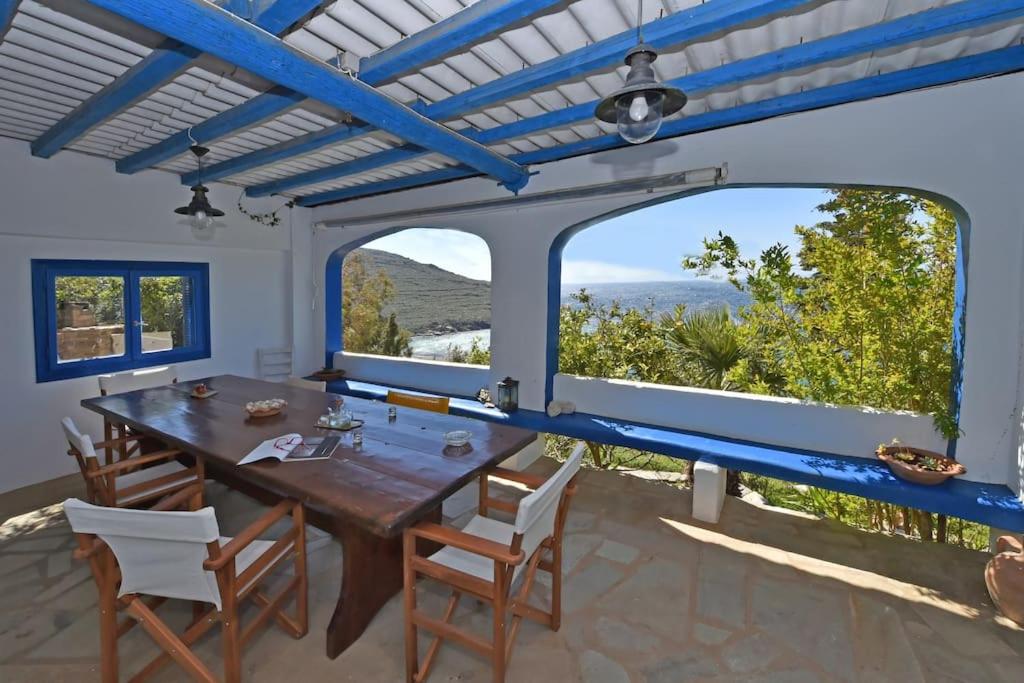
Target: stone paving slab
650,596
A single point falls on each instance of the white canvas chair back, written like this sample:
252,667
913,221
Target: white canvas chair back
121,382
306,384
159,553
535,519
76,439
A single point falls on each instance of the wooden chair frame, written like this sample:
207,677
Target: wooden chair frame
496,592
116,433
234,589
101,480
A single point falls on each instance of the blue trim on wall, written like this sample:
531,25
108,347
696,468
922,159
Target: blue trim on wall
44,316
224,35
992,504
690,24
8,8
964,68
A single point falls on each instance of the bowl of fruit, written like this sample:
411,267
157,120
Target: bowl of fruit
266,408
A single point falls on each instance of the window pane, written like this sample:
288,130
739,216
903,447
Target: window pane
166,303
90,317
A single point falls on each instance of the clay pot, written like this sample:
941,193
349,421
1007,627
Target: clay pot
1004,577
915,473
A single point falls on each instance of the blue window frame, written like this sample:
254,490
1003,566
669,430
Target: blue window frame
90,316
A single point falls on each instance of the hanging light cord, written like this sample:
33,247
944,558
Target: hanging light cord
639,21
270,219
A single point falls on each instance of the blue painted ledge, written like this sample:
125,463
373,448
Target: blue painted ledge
991,504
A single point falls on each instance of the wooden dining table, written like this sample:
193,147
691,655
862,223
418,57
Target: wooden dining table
364,495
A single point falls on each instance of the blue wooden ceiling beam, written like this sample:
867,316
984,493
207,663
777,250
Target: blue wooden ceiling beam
695,23
467,27
8,8
160,66
474,24
903,31
981,65
221,33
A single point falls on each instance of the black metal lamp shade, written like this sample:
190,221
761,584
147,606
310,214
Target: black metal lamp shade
200,205
199,209
639,107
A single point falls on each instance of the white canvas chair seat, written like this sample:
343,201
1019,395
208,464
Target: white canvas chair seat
486,559
151,474
140,558
472,563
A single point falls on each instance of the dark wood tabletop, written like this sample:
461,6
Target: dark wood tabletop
402,471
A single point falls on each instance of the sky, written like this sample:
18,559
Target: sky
641,246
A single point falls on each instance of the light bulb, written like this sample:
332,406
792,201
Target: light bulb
638,109
200,215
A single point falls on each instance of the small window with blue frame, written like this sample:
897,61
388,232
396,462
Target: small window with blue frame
94,317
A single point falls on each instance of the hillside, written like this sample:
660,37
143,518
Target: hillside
430,300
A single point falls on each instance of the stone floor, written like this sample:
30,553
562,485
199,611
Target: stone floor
651,596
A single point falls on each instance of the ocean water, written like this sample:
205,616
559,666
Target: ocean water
661,296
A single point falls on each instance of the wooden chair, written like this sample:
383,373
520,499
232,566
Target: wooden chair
485,559
302,383
123,382
165,554
134,480
437,404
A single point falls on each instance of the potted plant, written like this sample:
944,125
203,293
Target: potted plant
917,464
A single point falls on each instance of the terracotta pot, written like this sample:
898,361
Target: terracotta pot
1004,577
915,473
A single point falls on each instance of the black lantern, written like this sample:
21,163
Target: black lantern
508,395
200,213
638,107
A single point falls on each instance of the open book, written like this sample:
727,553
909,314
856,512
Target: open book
294,448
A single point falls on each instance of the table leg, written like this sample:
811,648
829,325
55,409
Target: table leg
371,575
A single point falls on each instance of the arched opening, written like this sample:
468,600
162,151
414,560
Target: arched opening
846,296
420,293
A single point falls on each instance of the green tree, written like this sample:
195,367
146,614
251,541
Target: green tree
706,345
364,297
476,354
865,314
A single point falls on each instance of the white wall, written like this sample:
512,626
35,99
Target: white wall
961,141
75,206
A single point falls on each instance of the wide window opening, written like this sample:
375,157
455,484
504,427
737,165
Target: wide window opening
840,296
419,293
93,317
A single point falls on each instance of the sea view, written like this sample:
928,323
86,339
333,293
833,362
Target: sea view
662,296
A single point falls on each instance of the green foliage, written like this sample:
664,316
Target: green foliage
476,354
609,341
364,295
705,344
863,317
162,300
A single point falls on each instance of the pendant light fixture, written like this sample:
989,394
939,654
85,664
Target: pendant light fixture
200,213
638,107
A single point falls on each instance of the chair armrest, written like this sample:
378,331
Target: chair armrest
131,463
468,542
251,533
534,481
